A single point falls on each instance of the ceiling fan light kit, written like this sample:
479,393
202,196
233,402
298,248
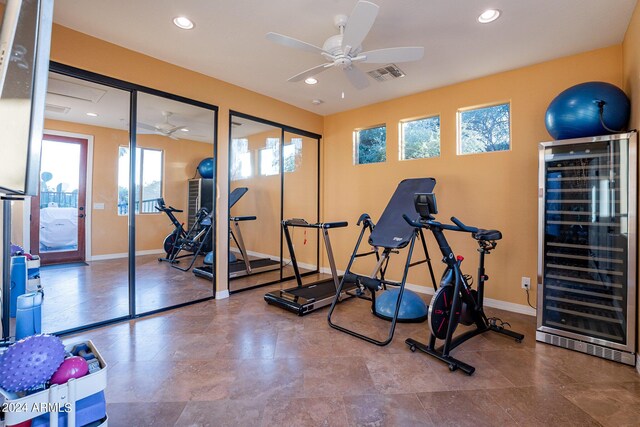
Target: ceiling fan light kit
344,50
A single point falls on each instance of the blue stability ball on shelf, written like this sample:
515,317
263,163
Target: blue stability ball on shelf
205,168
575,113
412,307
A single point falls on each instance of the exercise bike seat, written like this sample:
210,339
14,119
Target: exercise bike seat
172,209
487,235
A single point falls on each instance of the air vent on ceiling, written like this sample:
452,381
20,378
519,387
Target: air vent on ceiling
75,91
388,72
59,109
236,124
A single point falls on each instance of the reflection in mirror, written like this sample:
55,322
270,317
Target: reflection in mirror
75,227
254,200
300,200
174,201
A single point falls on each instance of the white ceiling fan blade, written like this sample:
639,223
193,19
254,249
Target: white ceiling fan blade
175,129
360,22
357,77
294,43
311,72
146,126
393,54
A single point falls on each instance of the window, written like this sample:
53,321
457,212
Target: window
240,159
420,138
270,157
481,130
370,145
292,154
148,180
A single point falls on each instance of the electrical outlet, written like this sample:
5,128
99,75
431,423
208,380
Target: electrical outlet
526,283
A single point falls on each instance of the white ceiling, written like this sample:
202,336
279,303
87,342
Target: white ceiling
229,42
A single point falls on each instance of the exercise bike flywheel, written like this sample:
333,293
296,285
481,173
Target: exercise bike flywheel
440,311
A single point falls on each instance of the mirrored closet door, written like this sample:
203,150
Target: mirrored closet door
174,201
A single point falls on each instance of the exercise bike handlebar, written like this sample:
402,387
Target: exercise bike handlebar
459,225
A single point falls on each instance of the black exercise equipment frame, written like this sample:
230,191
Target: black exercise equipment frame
487,242
297,299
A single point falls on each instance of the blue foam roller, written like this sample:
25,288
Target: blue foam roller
412,307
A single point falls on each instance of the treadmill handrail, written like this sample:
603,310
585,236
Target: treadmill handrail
243,218
298,222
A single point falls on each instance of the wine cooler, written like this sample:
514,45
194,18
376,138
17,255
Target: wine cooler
587,245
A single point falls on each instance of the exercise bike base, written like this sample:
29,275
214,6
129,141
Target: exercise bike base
453,363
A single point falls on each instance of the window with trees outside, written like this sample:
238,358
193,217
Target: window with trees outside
420,139
370,145
148,180
240,159
481,130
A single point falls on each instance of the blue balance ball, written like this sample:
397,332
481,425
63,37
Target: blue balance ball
206,167
412,307
575,112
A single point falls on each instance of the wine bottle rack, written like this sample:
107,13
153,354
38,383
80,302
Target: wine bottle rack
587,245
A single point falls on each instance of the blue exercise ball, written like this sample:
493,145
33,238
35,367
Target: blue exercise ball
412,307
575,113
206,168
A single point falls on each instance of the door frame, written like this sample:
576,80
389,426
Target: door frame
88,192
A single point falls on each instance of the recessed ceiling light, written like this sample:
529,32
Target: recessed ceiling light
317,101
92,114
310,81
183,22
184,130
489,15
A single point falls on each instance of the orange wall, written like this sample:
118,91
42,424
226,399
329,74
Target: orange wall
631,64
108,229
491,190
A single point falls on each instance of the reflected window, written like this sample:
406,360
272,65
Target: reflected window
292,154
270,158
240,159
148,180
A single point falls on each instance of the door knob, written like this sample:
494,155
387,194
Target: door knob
81,216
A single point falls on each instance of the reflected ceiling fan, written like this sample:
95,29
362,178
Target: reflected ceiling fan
344,50
165,128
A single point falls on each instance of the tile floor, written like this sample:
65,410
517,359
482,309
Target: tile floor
241,362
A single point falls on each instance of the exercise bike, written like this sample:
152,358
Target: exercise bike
455,301
194,241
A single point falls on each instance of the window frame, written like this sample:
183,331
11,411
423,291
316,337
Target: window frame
356,144
401,144
480,107
140,158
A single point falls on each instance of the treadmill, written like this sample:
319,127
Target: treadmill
303,299
243,266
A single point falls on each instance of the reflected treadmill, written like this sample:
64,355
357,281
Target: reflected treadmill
303,299
243,266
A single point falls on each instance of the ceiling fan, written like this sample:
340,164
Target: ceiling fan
165,128
344,50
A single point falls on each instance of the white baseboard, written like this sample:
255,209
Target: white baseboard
222,294
489,302
126,254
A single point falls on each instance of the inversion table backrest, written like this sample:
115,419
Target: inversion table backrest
236,195
391,231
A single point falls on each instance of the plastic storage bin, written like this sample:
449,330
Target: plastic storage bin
35,405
